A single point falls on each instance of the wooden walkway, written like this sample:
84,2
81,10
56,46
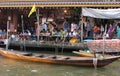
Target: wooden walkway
45,44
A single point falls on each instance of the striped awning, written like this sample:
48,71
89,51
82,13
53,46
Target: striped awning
60,3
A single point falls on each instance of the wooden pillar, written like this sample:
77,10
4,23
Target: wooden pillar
15,20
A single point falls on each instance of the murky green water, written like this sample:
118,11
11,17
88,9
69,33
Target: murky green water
9,67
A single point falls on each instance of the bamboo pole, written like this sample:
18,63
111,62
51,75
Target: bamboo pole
38,25
23,33
7,36
82,29
8,23
104,38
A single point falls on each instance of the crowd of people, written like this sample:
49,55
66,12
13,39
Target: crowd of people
109,30
94,30
51,31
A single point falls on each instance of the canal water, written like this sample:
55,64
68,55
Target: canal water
10,67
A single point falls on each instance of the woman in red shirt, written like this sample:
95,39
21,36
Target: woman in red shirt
95,30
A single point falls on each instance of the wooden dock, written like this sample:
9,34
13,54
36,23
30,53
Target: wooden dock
110,48
47,44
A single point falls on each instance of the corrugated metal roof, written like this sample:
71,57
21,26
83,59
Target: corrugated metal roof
61,0
58,3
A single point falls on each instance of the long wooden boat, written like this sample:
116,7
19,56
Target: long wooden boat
88,54
83,53
58,59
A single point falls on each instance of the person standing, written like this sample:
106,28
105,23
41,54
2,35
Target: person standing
118,31
101,30
110,30
95,30
73,26
65,25
80,23
89,28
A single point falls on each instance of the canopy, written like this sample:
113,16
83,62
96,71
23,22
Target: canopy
101,13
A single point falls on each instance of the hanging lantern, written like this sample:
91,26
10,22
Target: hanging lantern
65,11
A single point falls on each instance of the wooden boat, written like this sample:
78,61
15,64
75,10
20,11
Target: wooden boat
58,59
83,53
86,54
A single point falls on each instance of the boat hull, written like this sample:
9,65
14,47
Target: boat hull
65,60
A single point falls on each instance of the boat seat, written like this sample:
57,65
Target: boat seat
27,54
67,58
40,55
54,57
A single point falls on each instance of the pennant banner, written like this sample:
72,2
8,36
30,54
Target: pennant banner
32,10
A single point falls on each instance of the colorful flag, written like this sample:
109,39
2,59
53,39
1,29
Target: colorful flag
32,10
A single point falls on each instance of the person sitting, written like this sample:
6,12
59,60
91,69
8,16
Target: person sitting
75,33
48,35
62,34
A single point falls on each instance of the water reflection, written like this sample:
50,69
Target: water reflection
11,67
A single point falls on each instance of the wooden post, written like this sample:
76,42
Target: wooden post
7,36
23,33
38,25
8,23
104,37
82,29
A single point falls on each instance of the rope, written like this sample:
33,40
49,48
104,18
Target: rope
95,62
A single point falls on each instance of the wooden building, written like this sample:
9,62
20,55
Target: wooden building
13,10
